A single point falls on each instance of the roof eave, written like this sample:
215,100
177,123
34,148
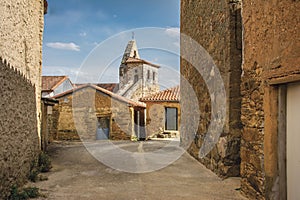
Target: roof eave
173,101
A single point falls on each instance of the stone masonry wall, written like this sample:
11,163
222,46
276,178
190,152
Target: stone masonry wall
89,105
21,32
18,128
270,58
144,87
216,26
47,122
155,120
21,37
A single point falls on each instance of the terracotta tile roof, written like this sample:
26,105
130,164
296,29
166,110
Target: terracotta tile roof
100,89
171,94
137,60
108,86
49,83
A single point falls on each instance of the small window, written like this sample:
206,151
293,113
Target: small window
154,74
148,74
136,78
136,71
171,119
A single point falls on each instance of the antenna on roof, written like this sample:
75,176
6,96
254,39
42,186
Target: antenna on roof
132,35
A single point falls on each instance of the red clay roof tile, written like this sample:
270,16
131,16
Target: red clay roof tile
171,94
137,60
49,83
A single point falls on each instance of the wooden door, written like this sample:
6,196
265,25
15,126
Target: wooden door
293,141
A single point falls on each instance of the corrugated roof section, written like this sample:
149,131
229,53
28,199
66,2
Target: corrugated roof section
49,83
172,94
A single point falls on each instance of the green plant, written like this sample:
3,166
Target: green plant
24,194
133,138
33,175
32,192
34,172
14,194
44,162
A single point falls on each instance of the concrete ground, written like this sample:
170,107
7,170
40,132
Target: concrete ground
78,175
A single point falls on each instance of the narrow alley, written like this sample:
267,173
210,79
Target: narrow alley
77,175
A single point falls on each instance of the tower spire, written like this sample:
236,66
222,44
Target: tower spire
133,35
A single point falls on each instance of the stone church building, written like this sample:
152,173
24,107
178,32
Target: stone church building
137,77
113,107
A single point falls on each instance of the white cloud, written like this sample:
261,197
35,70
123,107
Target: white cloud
64,46
173,32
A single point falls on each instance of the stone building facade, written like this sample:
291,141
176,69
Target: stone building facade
137,78
53,85
21,32
258,67
163,113
270,63
216,26
89,111
47,122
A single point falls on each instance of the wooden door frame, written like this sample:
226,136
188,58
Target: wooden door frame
282,141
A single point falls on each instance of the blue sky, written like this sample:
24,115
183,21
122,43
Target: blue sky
76,29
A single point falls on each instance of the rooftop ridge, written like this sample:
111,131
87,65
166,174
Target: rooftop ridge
107,92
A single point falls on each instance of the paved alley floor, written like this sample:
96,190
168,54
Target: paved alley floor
76,174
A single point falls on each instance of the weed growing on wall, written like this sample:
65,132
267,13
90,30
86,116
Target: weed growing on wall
23,194
41,165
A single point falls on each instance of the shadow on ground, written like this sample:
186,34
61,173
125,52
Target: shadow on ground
78,175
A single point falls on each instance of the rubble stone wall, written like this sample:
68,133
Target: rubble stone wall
18,128
270,59
216,26
155,120
21,37
21,33
79,116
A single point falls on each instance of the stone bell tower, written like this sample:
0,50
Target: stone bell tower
137,78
